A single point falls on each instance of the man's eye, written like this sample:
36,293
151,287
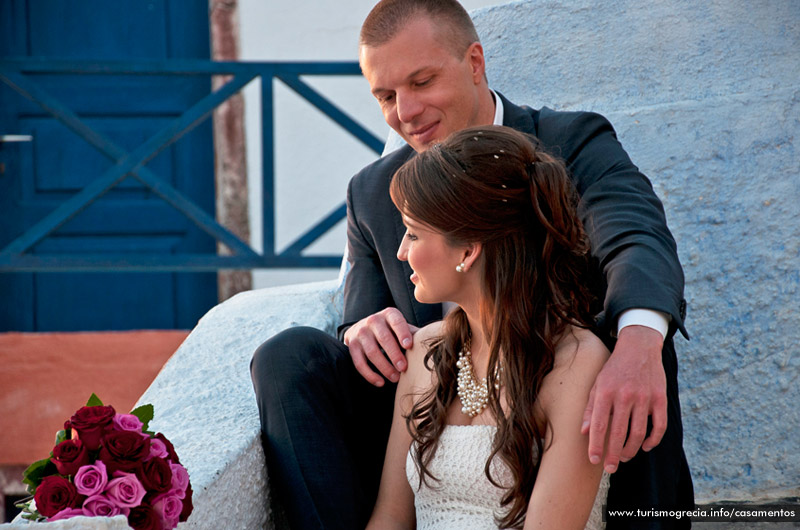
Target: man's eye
423,82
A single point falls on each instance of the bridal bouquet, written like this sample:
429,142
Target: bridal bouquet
107,464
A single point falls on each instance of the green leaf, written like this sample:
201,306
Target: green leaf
61,436
94,401
145,414
36,472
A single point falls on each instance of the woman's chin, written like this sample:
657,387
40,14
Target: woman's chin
421,296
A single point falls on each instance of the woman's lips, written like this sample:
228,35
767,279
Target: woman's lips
414,278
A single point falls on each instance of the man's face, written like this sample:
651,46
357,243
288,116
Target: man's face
424,90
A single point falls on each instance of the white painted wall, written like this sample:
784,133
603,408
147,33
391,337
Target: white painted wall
315,158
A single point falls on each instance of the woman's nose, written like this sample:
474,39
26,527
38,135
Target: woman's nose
402,252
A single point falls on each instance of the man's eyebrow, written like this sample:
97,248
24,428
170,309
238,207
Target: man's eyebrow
410,76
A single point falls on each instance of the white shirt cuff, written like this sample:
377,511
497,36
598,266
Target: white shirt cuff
644,317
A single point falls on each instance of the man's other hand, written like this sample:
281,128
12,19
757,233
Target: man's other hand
630,387
386,330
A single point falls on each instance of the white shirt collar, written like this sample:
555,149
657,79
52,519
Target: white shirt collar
498,108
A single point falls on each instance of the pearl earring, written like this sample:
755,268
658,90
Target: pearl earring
461,267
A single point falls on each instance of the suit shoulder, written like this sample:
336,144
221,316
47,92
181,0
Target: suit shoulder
375,177
556,126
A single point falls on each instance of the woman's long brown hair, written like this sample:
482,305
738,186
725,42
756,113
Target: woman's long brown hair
495,186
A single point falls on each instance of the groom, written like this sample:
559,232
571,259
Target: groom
325,405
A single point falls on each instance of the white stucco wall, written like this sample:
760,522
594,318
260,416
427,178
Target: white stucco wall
314,158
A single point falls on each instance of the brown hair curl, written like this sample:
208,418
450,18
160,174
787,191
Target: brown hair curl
496,186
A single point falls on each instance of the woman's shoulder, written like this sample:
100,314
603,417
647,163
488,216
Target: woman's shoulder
578,345
579,357
422,343
418,378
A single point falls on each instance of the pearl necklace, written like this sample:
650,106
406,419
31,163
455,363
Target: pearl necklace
474,394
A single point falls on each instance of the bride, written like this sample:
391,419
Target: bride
487,417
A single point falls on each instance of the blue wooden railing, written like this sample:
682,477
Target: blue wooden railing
16,257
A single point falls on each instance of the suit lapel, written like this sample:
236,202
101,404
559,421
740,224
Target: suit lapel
518,118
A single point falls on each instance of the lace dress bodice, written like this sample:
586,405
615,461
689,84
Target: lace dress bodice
463,497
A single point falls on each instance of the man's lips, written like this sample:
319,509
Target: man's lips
424,134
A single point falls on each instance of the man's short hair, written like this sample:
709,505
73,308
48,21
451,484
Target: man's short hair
388,17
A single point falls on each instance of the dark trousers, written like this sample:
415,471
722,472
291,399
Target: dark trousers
325,431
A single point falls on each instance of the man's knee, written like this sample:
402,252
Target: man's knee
291,355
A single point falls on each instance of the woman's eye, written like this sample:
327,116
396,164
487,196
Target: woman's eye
410,236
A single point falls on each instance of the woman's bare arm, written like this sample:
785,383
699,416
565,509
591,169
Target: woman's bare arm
394,508
567,483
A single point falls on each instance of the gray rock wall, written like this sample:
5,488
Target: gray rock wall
705,96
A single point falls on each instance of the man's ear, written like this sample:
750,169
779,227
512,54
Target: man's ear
477,61
471,255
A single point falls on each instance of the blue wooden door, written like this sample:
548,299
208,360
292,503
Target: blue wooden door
38,175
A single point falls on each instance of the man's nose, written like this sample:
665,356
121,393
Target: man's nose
408,107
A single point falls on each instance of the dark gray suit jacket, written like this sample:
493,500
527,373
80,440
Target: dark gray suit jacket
622,215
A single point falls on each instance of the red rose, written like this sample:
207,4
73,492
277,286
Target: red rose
155,475
69,456
170,448
144,518
124,450
187,504
55,494
92,423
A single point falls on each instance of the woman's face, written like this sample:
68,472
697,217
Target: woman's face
433,261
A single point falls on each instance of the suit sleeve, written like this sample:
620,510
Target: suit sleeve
365,291
623,217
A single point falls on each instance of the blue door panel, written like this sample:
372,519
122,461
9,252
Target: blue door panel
128,110
63,163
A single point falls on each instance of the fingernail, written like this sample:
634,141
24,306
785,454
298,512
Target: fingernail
394,377
585,425
406,343
594,459
611,468
401,365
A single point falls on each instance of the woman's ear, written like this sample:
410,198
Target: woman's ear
472,253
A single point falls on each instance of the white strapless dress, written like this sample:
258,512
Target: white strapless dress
464,498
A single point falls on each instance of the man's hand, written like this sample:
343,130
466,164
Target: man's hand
630,387
386,329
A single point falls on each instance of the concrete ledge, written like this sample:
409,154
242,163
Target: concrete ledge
204,401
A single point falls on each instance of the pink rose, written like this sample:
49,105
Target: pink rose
101,506
67,513
69,455
170,448
169,508
187,504
91,480
157,449
125,490
127,422
180,480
